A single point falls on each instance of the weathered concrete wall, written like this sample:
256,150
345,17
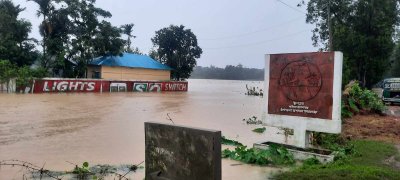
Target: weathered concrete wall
9,87
182,153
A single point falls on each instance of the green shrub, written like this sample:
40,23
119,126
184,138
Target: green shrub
340,146
276,155
356,99
40,72
24,75
82,172
311,162
7,71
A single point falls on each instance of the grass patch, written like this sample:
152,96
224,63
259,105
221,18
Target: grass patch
367,163
397,157
259,130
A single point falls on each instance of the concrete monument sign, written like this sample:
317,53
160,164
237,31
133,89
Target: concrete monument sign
182,153
303,92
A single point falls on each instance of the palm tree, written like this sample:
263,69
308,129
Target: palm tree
127,29
46,7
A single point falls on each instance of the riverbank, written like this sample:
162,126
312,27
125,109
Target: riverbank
375,143
370,161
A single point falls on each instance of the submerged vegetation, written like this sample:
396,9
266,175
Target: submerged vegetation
276,155
230,142
78,172
253,120
254,91
259,130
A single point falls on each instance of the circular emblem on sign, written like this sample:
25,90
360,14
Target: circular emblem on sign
300,81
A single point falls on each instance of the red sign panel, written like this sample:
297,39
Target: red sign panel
301,84
60,85
175,86
88,85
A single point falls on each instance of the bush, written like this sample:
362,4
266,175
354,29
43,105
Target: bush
39,72
276,155
357,99
334,142
7,71
24,75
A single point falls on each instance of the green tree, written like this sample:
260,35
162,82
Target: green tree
107,40
7,71
136,51
395,62
25,76
15,44
88,37
177,47
46,9
362,29
54,30
127,29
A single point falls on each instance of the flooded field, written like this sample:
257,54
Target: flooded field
108,128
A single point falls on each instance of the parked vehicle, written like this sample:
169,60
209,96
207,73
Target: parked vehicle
388,90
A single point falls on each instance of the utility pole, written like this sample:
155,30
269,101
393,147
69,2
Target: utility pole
330,26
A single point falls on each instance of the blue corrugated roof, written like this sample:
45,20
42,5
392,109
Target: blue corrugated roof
130,60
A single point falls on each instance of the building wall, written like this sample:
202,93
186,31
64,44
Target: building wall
91,71
124,73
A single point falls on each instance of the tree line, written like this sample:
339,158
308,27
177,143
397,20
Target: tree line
366,31
74,32
230,72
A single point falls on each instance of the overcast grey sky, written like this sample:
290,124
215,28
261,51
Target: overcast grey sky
229,31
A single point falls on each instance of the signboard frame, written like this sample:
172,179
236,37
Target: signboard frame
299,124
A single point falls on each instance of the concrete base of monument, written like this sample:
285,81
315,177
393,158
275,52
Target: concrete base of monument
323,155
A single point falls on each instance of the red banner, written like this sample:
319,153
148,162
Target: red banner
90,85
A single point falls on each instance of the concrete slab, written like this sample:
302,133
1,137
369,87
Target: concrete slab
181,153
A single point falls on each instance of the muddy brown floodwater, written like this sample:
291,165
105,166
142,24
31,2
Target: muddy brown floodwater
108,128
